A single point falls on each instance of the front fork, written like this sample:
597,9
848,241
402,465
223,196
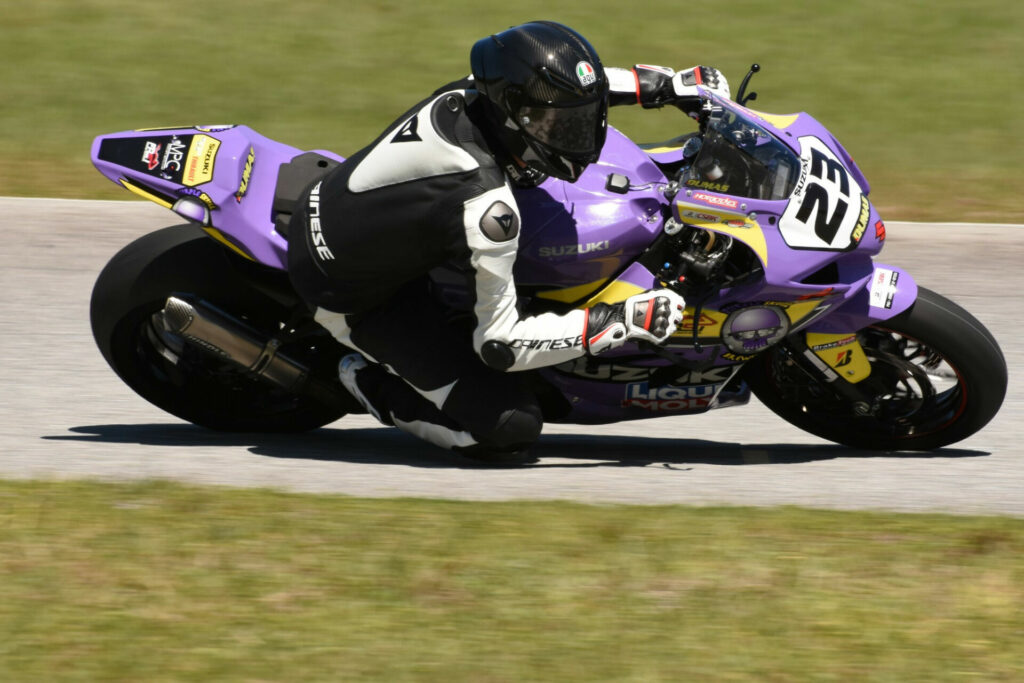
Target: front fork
831,373
831,354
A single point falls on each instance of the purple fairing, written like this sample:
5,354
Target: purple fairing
240,208
579,233
809,224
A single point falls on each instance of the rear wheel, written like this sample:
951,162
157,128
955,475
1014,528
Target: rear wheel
937,376
180,378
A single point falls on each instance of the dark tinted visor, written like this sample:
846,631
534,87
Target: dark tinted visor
573,130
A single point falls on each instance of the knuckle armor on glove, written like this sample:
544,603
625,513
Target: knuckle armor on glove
685,82
651,316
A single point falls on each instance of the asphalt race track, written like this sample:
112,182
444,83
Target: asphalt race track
64,414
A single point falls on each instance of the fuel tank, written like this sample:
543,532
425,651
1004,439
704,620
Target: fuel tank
577,236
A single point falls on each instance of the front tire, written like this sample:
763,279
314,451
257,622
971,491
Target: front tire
937,377
183,380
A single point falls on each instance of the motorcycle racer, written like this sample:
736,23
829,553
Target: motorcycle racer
435,188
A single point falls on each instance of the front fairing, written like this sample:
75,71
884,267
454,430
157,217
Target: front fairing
814,237
820,231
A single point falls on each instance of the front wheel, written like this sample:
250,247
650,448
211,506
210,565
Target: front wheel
937,377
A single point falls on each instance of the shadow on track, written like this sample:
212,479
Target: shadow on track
391,447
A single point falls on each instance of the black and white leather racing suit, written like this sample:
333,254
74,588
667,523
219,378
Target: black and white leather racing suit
433,190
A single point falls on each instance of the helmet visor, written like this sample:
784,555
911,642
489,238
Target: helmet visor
573,130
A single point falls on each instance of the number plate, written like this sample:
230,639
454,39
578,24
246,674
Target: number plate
827,210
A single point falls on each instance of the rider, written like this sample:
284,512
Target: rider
436,188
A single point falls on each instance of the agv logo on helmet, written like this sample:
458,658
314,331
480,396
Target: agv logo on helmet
585,72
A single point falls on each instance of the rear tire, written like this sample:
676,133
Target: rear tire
187,382
937,377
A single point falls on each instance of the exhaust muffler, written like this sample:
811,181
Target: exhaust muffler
231,339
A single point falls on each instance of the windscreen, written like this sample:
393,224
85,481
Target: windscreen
741,158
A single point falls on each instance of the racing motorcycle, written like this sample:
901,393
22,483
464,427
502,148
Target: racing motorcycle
761,221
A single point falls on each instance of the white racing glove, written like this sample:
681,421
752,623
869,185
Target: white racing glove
684,83
649,316
655,86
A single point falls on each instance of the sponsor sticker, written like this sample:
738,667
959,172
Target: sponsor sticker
846,341
201,196
585,72
716,200
862,220
699,216
883,287
201,156
246,175
749,330
151,154
708,185
669,398
173,155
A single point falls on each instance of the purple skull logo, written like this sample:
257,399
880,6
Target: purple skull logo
752,329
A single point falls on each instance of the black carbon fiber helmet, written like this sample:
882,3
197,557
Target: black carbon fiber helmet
546,96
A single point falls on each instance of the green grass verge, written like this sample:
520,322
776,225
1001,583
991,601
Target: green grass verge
158,581
926,95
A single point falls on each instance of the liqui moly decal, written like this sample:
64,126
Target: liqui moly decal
715,200
668,399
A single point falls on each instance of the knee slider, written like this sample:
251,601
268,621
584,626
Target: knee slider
516,429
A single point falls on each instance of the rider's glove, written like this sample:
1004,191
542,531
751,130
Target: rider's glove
658,86
650,316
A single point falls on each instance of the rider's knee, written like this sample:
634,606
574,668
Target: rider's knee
515,430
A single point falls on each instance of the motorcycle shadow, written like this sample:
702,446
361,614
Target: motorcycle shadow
384,446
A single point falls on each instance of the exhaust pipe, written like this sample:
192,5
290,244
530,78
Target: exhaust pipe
231,339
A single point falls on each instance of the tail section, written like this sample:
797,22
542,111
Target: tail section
222,178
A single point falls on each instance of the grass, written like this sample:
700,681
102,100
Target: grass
926,95
159,581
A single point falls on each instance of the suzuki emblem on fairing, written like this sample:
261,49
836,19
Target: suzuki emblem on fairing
573,249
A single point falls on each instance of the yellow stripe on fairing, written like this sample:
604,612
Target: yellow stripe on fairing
570,294
800,310
780,121
144,193
751,234
659,150
219,236
161,128
614,293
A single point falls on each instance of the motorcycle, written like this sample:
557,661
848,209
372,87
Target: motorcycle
761,221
